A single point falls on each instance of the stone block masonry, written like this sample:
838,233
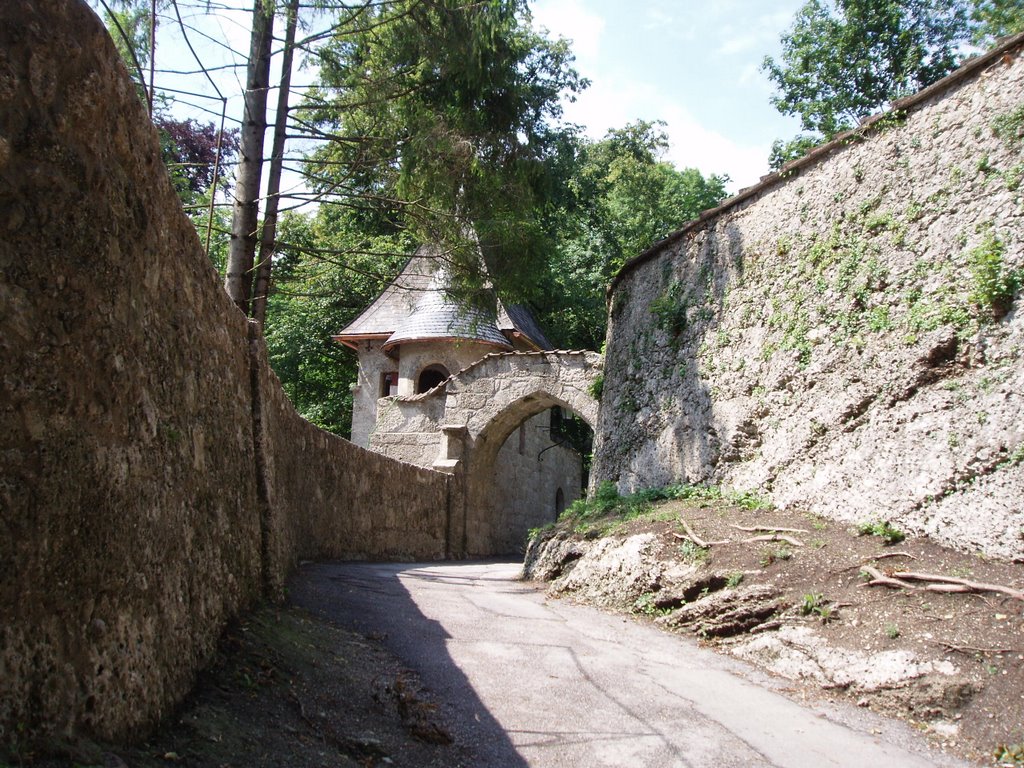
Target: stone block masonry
845,338
154,480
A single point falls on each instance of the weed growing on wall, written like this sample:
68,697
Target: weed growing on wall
1012,177
993,285
670,309
1010,126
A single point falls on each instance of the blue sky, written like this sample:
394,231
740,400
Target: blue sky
694,65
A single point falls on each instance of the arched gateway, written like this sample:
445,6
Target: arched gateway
460,426
406,405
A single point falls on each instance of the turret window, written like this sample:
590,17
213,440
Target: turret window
430,377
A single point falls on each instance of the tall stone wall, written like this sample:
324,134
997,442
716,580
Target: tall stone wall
154,480
844,338
325,497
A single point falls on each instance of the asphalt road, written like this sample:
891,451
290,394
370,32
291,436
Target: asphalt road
528,681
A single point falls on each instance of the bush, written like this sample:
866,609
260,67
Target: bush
994,286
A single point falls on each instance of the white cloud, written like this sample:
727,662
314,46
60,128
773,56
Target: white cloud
614,102
695,146
570,19
739,44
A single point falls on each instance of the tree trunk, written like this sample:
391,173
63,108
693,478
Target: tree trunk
245,218
269,234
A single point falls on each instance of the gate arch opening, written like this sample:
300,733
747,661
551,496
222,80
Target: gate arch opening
499,509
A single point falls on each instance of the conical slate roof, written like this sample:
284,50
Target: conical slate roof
414,307
436,317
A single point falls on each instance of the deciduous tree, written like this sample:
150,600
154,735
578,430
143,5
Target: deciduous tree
997,18
624,197
844,61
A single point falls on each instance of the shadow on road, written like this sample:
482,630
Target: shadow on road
370,599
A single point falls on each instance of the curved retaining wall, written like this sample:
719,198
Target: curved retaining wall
154,480
843,338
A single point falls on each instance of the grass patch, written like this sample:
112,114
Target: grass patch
607,509
883,529
693,553
1009,754
993,285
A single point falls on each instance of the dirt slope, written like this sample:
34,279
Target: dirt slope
950,663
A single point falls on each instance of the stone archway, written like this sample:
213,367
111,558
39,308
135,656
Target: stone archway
459,427
480,459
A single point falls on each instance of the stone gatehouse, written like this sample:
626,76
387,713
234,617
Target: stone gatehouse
412,341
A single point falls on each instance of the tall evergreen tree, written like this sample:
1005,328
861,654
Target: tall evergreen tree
441,119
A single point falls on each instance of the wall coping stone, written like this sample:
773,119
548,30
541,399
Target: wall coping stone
969,69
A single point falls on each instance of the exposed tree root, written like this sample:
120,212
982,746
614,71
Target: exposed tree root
775,537
935,583
695,538
971,586
767,529
894,554
970,650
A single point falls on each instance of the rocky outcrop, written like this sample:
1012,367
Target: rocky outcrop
846,337
628,574
725,613
898,680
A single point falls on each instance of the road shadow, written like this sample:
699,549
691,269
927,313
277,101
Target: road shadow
369,598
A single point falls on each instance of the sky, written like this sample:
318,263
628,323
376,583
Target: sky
694,65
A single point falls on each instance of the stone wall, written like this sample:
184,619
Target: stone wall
464,427
154,480
367,390
325,497
844,337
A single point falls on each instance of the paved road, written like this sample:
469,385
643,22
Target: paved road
539,682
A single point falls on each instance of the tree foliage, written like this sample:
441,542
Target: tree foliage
623,197
784,151
189,150
188,147
842,62
441,116
326,272
996,18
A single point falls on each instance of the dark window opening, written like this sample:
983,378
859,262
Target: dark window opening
430,377
559,503
389,384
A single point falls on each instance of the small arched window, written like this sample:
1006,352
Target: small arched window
430,377
559,503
